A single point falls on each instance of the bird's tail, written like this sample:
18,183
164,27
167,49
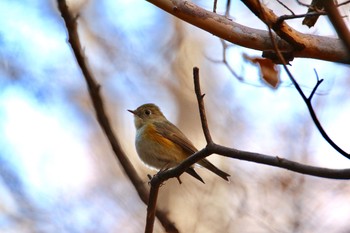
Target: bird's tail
193,173
211,167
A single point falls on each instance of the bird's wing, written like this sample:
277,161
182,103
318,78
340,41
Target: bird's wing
171,132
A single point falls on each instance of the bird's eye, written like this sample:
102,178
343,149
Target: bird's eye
147,112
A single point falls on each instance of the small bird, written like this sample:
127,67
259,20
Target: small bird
161,145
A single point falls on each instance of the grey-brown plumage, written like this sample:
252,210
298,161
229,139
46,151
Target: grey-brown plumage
160,144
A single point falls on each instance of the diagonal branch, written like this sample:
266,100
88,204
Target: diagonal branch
283,30
212,148
307,100
94,91
317,47
338,22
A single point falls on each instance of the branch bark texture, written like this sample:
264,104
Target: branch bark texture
309,46
338,23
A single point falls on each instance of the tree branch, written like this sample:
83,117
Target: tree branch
307,100
319,81
212,148
275,161
317,47
162,176
287,17
283,30
101,115
225,46
152,204
338,22
201,107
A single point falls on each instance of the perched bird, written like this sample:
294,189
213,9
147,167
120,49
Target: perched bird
161,145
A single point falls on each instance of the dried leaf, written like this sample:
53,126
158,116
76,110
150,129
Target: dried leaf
310,20
268,70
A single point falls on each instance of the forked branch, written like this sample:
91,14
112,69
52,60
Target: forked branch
307,100
212,148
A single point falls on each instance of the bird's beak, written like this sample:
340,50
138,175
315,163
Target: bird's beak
132,111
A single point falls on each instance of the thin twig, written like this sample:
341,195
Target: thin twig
201,107
215,5
287,17
343,3
303,4
285,6
228,6
94,91
224,59
306,100
162,176
225,47
319,81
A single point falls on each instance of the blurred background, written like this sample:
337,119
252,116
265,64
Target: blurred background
57,170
